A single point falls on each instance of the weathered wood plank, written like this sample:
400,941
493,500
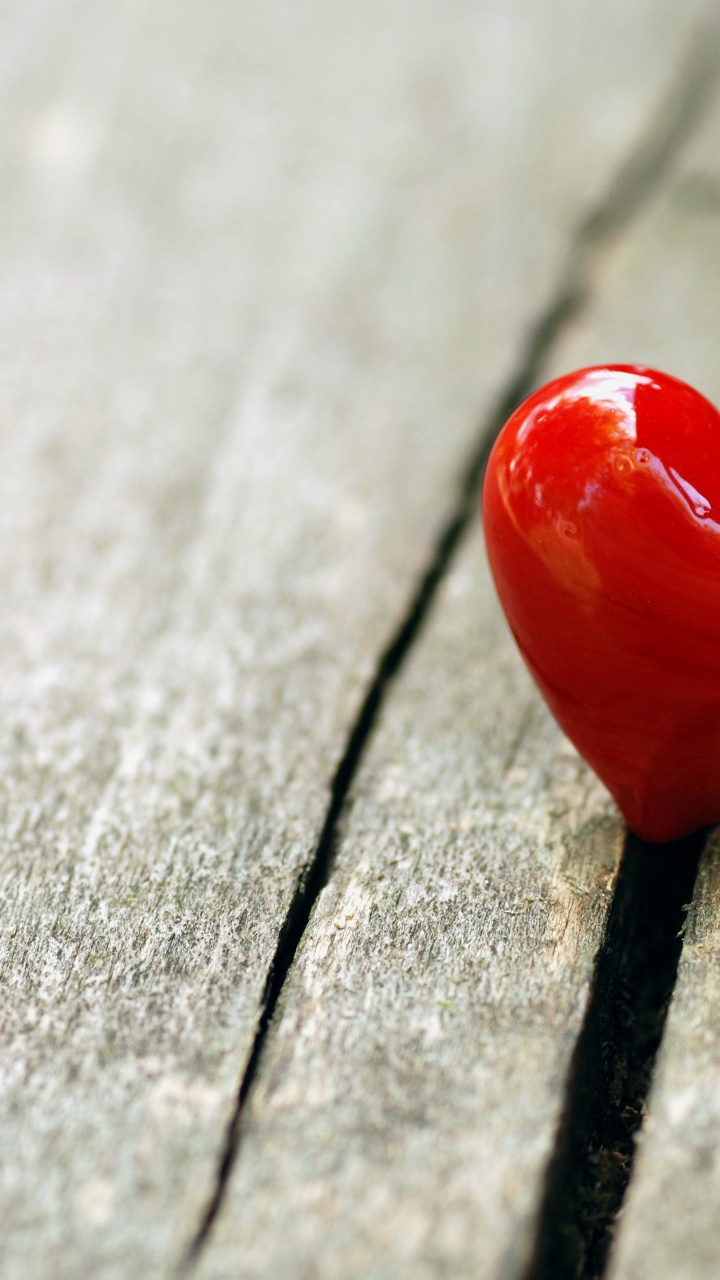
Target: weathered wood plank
411,1091
657,301
406,1110
242,354
669,1227
658,306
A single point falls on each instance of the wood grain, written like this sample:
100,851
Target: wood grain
670,1223
404,1116
260,266
407,1109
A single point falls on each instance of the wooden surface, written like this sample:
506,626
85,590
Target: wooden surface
407,1107
262,269
406,1111
670,1224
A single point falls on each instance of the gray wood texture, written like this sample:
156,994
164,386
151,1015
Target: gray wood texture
405,1114
670,1224
261,267
658,305
408,1104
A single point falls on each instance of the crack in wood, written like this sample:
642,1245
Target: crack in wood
641,175
614,1057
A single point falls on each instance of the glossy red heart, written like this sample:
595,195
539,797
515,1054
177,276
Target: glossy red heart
602,521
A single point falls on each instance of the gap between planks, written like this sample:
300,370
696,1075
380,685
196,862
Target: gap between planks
636,182
614,1058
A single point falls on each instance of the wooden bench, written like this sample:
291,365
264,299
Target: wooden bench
323,954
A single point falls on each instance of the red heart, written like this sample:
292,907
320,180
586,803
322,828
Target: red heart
599,501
